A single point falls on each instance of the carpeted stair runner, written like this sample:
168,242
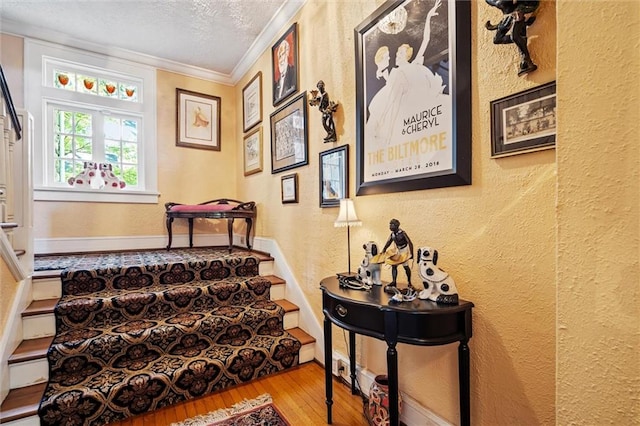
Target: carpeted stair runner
136,338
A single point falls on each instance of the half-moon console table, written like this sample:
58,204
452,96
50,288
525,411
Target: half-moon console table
416,322
223,208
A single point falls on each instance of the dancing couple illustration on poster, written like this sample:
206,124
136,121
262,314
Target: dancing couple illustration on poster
408,121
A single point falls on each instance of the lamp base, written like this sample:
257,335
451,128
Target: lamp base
346,274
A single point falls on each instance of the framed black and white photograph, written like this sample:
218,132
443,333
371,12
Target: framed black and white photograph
524,122
334,177
289,188
198,122
252,102
284,63
289,143
253,152
413,96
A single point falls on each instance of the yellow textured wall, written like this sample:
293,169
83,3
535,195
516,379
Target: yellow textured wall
496,237
8,290
598,379
185,175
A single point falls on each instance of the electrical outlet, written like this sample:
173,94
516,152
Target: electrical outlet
342,368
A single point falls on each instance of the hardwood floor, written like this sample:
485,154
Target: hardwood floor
299,393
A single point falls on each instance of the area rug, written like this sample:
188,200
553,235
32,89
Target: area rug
254,412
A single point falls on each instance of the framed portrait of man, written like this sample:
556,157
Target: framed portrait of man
284,62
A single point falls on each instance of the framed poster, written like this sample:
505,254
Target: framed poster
198,122
413,96
289,187
334,177
524,122
252,102
253,152
284,63
289,144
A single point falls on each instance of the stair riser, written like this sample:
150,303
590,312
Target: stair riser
27,421
46,288
28,373
37,326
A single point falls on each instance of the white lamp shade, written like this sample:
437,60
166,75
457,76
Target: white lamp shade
347,215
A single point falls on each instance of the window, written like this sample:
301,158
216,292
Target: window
98,119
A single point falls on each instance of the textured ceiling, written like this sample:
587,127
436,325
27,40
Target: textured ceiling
214,35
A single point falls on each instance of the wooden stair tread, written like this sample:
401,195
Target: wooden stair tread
287,306
21,403
31,349
47,274
40,307
275,280
302,335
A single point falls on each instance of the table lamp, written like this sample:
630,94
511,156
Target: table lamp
347,217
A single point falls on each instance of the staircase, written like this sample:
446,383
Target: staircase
28,365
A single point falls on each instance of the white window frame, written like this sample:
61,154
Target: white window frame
39,57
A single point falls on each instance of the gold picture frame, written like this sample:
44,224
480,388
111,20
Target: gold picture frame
252,148
252,102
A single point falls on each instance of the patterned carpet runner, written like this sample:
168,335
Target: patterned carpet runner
140,331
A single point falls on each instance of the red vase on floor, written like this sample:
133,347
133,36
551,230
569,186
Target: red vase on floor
378,409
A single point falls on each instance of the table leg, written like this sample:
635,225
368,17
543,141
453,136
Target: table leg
328,360
230,230
352,362
169,229
463,378
190,232
249,223
391,337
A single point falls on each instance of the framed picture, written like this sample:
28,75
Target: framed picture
198,120
524,122
253,152
413,96
6,94
284,63
289,145
334,177
252,102
289,185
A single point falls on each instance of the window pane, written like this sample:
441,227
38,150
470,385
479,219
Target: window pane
108,88
83,124
63,121
128,92
84,148
112,151
130,153
130,130
87,84
112,128
64,80
130,175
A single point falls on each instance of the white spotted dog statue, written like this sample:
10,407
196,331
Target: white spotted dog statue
368,271
83,179
110,179
438,285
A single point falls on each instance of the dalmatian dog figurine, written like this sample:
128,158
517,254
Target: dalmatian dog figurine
438,285
369,271
111,181
83,179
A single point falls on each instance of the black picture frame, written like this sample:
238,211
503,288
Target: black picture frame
524,122
334,176
289,40
421,140
6,94
289,188
289,135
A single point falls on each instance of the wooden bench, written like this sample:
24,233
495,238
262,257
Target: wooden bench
223,208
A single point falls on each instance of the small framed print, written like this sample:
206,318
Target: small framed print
198,121
334,178
289,144
289,185
284,63
524,122
252,102
253,152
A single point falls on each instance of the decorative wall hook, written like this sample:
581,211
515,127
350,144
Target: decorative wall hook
321,98
517,16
